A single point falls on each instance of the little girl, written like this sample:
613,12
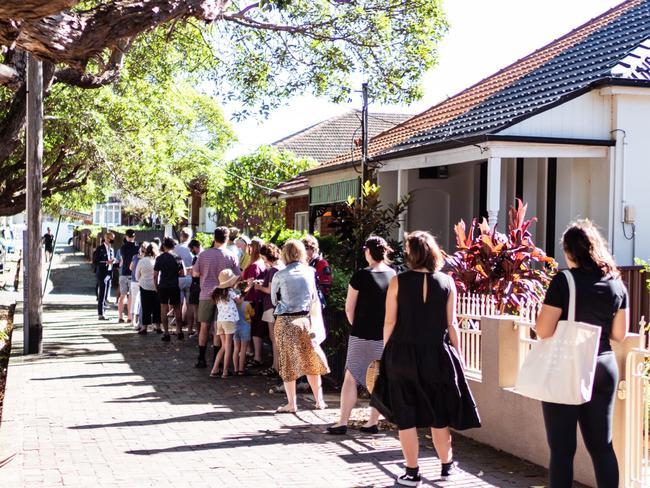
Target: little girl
227,317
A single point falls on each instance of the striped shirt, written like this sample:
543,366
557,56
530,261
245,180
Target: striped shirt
209,264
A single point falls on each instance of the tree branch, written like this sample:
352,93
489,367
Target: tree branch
33,9
110,73
8,75
74,38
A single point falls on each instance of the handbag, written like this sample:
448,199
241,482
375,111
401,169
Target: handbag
371,374
561,368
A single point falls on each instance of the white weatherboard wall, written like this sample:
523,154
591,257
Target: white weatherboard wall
438,204
582,192
632,115
584,117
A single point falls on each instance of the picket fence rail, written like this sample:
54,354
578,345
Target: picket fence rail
470,307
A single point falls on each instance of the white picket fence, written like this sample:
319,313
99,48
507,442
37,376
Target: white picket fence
637,410
470,307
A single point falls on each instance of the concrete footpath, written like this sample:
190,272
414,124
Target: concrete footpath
105,407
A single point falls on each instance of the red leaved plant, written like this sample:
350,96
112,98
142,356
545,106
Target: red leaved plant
507,266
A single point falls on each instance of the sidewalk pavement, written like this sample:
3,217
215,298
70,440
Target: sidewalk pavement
105,407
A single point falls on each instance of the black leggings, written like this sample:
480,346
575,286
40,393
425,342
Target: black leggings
595,419
150,307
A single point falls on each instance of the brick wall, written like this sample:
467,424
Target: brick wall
294,205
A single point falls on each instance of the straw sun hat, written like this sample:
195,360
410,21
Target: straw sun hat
227,279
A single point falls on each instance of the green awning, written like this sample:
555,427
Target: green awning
334,192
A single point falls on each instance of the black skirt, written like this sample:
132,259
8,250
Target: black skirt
423,385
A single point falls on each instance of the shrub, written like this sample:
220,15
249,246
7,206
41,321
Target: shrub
280,237
205,238
507,266
356,222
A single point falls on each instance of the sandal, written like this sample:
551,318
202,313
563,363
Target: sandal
285,409
217,373
254,363
242,373
270,372
320,406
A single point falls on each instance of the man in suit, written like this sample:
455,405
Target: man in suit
103,259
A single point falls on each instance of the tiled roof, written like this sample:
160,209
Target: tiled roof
331,137
532,84
636,65
295,184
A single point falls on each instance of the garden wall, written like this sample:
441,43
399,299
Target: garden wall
514,423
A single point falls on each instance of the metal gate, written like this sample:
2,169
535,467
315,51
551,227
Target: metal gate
637,416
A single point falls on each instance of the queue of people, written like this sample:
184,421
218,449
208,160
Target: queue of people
243,290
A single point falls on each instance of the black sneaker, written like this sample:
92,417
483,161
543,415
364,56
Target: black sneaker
450,471
180,336
166,338
201,364
409,480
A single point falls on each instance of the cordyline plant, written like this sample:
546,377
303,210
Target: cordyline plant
507,266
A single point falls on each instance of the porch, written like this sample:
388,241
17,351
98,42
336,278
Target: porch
560,181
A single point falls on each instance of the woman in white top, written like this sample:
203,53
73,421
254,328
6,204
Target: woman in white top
144,274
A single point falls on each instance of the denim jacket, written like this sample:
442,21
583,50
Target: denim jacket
294,285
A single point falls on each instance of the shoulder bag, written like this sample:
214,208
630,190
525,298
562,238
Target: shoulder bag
561,368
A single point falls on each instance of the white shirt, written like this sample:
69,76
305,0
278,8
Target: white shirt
109,255
227,310
144,273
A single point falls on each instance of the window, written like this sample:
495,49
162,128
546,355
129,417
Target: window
108,214
301,221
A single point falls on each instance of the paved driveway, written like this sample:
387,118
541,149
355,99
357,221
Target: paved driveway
105,407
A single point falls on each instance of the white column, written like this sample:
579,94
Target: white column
493,190
402,189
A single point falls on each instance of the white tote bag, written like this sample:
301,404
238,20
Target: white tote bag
561,368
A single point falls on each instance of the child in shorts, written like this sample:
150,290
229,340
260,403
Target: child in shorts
227,302
242,337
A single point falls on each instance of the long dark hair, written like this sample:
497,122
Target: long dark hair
220,294
585,246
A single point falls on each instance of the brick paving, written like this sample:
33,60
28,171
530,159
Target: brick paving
104,407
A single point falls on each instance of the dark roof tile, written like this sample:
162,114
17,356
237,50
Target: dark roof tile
564,67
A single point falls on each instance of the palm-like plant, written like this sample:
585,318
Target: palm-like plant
507,266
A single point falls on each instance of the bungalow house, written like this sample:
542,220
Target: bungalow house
322,142
565,129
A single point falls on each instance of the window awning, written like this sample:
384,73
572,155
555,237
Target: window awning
334,192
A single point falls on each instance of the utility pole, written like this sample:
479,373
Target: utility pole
33,307
364,139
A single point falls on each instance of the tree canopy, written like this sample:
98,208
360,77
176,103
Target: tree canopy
245,197
256,53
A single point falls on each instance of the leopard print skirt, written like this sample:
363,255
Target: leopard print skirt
298,355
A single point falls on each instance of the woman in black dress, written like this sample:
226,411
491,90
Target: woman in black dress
421,381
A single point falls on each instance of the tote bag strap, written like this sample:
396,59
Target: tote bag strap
571,316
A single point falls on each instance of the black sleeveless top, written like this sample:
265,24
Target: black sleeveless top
420,322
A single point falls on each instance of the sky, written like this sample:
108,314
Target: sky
484,36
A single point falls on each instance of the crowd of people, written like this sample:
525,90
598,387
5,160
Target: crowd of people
240,292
